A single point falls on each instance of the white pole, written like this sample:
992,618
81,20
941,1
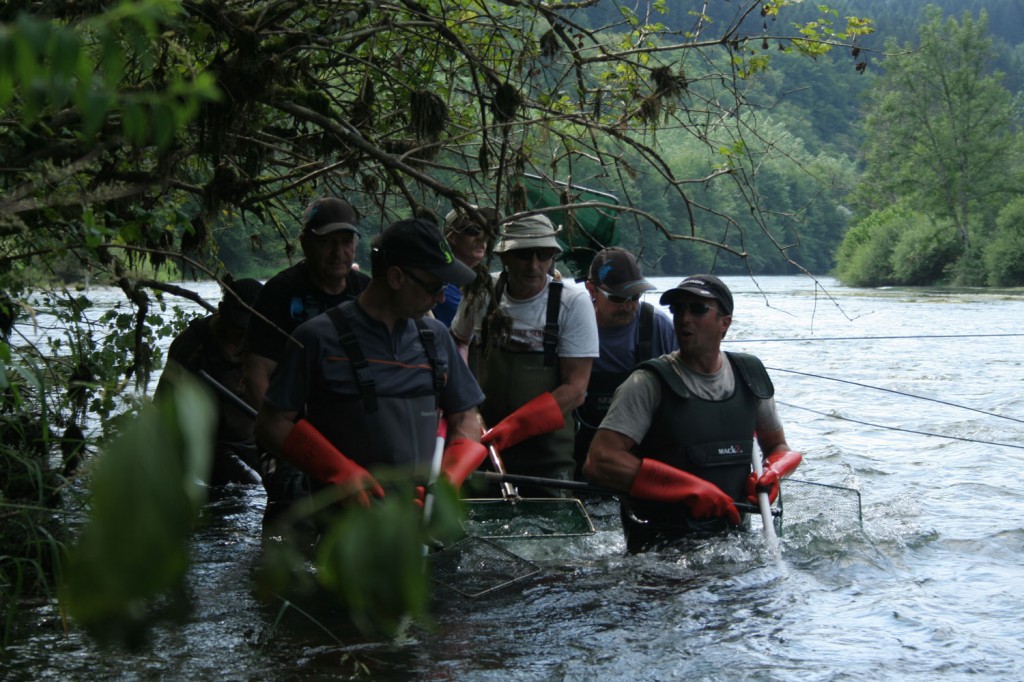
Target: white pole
435,467
766,508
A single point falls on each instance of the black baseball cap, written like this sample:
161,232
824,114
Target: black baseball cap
418,243
617,272
706,286
324,216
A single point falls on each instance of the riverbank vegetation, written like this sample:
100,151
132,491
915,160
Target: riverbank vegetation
942,173
163,139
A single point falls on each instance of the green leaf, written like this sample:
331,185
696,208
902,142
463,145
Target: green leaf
65,50
134,122
113,62
7,52
94,107
163,125
372,559
145,500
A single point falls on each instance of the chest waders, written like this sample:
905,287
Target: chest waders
511,378
602,385
712,439
372,428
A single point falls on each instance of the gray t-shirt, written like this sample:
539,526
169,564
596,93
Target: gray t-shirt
637,399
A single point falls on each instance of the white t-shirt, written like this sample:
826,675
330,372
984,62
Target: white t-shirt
577,325
637,398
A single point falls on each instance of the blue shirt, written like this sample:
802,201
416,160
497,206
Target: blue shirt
445,312
618,344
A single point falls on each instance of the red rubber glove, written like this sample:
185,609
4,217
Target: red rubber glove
310,451
461,458
663,483
777,466
537,417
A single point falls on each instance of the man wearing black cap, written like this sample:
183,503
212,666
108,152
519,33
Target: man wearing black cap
360,387
213,344
629,333
322,280
679,435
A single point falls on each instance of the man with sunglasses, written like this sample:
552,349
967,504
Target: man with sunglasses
468,238
629,331
679,434
360,387
537,340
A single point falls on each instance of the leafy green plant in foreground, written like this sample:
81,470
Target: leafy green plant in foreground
145,498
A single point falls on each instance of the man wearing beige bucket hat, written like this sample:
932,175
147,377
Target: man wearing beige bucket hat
537,340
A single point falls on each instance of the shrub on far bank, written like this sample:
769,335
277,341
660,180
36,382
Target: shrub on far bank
1003,256
863,258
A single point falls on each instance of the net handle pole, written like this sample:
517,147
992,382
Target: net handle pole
764,505
245,407
435,467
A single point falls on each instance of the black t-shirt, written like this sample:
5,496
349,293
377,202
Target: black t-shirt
288,299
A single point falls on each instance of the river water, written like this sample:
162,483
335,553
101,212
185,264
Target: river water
931,587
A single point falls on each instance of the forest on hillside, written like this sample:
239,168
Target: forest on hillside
818,111
812,110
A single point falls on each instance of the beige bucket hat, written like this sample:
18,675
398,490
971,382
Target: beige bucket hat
528,232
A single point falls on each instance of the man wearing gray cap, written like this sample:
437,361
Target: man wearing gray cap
360,387
629,332
679,435
537,340
322,280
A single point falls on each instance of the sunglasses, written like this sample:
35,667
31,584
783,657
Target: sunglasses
619,299
470,231
430,288
540,253
696,309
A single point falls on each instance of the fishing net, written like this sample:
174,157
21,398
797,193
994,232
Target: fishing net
476,566
585,231
527,517
804,501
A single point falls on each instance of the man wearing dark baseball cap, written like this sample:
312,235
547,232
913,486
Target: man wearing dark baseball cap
679,435
368,377
629,331
324,216
324,278
418,244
